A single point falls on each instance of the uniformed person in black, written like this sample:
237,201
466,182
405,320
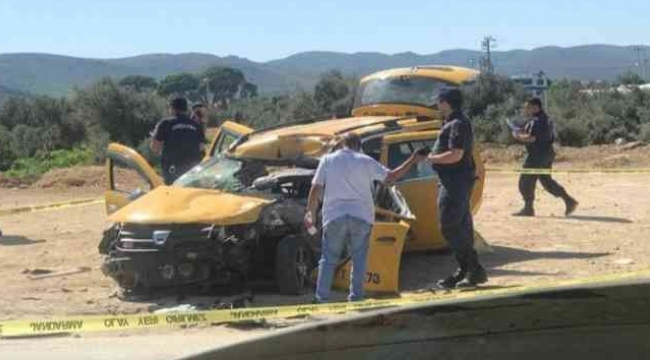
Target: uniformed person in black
180,140
539,137
452,160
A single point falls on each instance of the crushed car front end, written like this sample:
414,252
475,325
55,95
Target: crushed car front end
210,229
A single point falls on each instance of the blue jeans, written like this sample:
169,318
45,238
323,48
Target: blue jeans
355,232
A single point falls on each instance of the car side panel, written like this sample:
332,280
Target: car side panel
384,257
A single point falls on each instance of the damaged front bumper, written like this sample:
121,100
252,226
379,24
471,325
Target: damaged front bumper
155,256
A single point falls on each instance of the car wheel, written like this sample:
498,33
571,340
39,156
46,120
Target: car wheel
293,265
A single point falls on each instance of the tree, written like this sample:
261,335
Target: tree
303,107
333,94
7,154
630,78
39,124
60,130
26,140
257,112
489,90
221,85
139,82
183,84
14,111
125,115
248,91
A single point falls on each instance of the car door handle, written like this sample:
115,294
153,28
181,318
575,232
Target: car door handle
386,239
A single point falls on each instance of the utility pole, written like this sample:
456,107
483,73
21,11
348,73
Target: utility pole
641,60
486,63
208,95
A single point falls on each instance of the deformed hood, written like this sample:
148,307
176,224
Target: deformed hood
174,205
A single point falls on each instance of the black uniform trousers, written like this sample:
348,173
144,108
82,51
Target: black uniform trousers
528,182
454,210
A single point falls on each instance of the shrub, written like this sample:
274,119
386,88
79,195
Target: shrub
33,167
572,132
644,133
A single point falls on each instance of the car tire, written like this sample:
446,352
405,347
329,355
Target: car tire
294,262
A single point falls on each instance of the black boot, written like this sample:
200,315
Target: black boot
450,281
571,205
475,272
528,209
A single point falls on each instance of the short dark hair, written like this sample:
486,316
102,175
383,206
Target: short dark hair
535,102
197,105
179,103
453,97
352,141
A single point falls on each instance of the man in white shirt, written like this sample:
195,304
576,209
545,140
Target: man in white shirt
345,180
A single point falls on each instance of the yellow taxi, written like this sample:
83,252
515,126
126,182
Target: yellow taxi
238,215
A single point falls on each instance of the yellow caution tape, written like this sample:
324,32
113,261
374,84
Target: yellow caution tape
52,206
566,171
82,324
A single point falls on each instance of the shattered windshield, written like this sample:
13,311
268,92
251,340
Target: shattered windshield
410,90
218,173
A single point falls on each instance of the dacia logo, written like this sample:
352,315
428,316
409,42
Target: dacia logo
160,236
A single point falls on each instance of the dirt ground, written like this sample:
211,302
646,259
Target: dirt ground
607,234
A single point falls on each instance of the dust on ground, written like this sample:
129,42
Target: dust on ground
607,235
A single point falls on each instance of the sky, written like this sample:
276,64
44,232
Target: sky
266,30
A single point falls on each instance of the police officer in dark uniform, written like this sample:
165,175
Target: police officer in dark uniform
539,137
452,160
180,140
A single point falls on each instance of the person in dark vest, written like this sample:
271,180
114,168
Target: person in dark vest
453,161
538,135
179,140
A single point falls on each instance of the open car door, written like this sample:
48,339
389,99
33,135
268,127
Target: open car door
228,133
420,187
129,177
385,246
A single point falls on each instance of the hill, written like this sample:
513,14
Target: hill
57,75
6,93
588,62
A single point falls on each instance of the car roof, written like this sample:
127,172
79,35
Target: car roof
285,142
328,127
452,74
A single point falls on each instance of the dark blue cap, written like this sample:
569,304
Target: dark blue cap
453,97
